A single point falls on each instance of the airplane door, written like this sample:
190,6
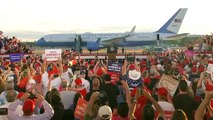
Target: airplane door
158,37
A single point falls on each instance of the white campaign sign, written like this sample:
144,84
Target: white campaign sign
169,83
52,54
210,70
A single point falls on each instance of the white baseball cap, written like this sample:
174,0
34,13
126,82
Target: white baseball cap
105,112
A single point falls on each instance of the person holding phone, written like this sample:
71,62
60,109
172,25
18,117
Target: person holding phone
147,111
10,97
204,83
28,109
133,74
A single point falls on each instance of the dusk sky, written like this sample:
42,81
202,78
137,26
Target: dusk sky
29,20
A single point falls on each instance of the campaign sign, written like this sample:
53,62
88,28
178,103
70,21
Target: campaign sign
80,109
189,53
114,67
210,70
169,83
52,54
115,77
15,57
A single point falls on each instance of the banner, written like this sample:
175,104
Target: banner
52,54
15,57
169,83
80,109
114,67
210,70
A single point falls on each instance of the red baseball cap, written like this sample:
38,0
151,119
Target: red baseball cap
147,80
20,94
29,106
162,91
131,67
78,81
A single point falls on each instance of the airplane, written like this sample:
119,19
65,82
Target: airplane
96,41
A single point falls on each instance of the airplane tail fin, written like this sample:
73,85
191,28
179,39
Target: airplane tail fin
131,32
98,40
174,23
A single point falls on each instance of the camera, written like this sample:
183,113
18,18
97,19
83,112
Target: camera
10,78
32,96
205,74
130,58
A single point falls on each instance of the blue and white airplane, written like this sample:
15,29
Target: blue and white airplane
96,41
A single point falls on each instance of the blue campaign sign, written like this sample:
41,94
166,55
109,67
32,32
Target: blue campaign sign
15,57
114,67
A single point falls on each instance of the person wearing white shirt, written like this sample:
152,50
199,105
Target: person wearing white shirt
67,74
28,109
10,96
162,96
66,96
9,86
45,79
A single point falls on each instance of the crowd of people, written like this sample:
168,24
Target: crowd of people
38,89
13,45
203,44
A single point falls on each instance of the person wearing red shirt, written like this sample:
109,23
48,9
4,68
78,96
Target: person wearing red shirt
79,88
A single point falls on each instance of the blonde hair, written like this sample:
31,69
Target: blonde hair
179,115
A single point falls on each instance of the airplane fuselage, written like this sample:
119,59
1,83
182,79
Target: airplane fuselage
138,39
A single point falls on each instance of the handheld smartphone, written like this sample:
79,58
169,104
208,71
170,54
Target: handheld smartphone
118,83
131,59
140,90
3,111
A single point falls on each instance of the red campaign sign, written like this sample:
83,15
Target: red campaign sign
211,104
115,77
167,115
80,109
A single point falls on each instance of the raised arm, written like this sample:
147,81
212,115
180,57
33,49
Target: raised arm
60,66
126,88
136,66
44,66
199,84
200,111
96,67
12,115
47,115
154,102
104,65
124,67
90,105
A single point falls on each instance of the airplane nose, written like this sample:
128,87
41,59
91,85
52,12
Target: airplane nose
41,42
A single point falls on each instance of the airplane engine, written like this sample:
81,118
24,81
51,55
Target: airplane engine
92,46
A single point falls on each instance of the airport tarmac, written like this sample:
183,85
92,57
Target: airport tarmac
127,50
40,50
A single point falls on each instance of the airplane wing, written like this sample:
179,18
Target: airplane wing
177,36
117,40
